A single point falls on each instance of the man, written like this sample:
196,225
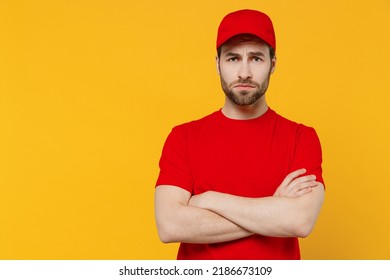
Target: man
242,182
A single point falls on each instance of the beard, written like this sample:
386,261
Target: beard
245,97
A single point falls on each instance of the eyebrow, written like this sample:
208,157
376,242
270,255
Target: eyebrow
259,53
232,54
256,54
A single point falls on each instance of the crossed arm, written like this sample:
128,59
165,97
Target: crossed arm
213,217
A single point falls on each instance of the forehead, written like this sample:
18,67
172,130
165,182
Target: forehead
245,41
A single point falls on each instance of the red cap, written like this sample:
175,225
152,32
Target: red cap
246,22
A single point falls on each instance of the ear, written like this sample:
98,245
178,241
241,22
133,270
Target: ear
217,65
273,64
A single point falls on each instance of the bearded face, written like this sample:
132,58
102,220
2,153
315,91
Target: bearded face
245,67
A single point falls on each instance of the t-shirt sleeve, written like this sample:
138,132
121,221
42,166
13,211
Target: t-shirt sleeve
174,162
308,153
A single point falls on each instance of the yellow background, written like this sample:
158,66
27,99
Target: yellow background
90,89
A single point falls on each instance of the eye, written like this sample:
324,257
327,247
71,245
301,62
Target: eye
257,59
233,59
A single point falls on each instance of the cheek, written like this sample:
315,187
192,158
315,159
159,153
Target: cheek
263,72
226,74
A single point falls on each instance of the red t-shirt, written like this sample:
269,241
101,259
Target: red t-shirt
247,158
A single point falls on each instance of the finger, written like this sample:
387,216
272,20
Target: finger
303,185
301,180
293,175
303,192
282,189
299,187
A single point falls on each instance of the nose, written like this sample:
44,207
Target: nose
244,72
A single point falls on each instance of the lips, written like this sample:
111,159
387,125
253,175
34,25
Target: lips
244,86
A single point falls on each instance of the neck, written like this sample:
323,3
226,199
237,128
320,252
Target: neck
246,112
